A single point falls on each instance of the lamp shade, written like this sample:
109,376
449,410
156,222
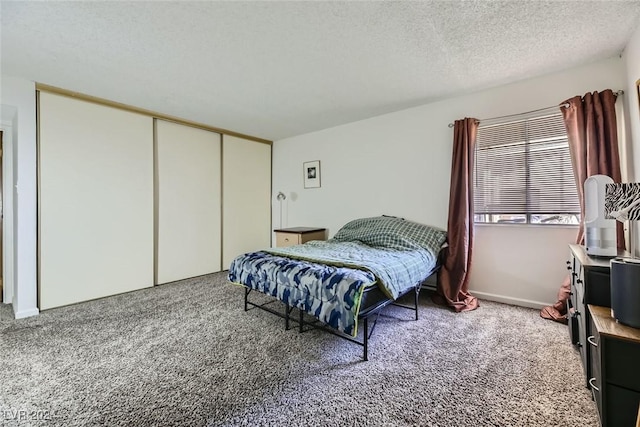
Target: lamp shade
622,201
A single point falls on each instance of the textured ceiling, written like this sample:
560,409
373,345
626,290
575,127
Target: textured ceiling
278,69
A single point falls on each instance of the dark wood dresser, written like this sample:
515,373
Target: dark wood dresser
615,370
590,279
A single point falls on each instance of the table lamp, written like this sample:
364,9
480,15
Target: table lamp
622,202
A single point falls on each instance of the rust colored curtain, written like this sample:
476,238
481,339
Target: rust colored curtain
593,143
453,282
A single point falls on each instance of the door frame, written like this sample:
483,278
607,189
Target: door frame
8,281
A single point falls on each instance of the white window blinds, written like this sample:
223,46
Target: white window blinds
524,168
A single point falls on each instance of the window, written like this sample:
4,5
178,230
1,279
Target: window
523,173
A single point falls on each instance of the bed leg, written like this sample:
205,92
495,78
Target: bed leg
300,319
365,329
416,300
246,297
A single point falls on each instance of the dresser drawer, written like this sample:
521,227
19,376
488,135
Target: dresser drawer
599,292
625,403
621,361
581,316
595,381
287,239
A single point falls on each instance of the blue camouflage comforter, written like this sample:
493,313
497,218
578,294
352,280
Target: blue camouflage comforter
330,293
326,279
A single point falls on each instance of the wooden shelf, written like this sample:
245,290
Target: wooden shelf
609,326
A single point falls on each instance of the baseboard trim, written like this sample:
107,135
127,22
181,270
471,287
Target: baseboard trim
26,313
500,298
510,300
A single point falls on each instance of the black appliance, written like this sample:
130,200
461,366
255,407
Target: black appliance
625,291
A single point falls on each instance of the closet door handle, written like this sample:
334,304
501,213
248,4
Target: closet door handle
592,341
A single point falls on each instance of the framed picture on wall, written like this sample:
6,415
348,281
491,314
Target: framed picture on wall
311,174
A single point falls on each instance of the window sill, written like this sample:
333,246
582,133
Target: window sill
507,224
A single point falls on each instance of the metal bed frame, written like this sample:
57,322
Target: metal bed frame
374,310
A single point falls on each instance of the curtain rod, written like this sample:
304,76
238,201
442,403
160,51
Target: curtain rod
565,105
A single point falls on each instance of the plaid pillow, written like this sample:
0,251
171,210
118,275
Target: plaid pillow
394,233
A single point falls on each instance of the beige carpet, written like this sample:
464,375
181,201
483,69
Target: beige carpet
187,354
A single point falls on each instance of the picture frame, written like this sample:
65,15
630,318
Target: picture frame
311,174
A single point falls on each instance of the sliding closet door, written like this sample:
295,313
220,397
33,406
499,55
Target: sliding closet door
96,200
188,202
246,197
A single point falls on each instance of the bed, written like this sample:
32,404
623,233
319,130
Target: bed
342,282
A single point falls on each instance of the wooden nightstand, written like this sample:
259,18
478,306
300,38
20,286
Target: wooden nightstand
298,235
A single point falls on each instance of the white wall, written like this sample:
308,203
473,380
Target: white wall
400,163
20,94
631,58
